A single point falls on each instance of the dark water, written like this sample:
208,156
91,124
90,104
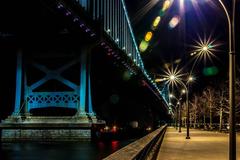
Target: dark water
60,151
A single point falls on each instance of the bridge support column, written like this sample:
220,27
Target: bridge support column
85,108
81,110
90,107
18,92
26,90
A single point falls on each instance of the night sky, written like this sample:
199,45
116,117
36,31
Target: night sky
115,98
169,45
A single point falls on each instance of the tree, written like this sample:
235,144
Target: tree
221,102
194,109
184,114
203,109
208,93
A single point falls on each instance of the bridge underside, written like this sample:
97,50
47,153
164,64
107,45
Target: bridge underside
45,39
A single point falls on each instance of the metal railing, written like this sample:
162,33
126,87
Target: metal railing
146,147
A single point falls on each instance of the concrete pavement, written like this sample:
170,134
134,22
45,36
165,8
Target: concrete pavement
203,145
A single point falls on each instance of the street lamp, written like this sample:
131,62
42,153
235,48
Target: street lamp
178,111
183,91
203,49
190,79
171,96
232,76
172,77
186,91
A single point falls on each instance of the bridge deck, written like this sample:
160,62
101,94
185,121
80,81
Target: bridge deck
203,145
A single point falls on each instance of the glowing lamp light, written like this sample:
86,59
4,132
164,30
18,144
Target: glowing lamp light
156,22
183,91
143,46
148,128
172,77
148,36
190,79
114,129
205,48
174,22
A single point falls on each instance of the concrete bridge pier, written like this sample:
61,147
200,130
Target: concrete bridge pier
31,94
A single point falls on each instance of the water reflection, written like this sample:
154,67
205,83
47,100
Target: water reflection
60,151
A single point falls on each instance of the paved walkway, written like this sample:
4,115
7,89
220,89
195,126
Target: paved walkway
203,145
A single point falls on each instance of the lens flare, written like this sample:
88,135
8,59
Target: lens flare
174,22
166,5
148,36
143,46
156,22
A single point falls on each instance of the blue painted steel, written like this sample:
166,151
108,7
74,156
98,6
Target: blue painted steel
53,74
117,25
26,106
66,99
52,99
83,82
90,108
165,93
18,84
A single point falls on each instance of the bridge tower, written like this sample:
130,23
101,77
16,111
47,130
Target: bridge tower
46,77
31,95
52,79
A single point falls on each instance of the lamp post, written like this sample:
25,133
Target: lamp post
232,77
186,91
190,79
180,118
177,109
176,123
173,77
